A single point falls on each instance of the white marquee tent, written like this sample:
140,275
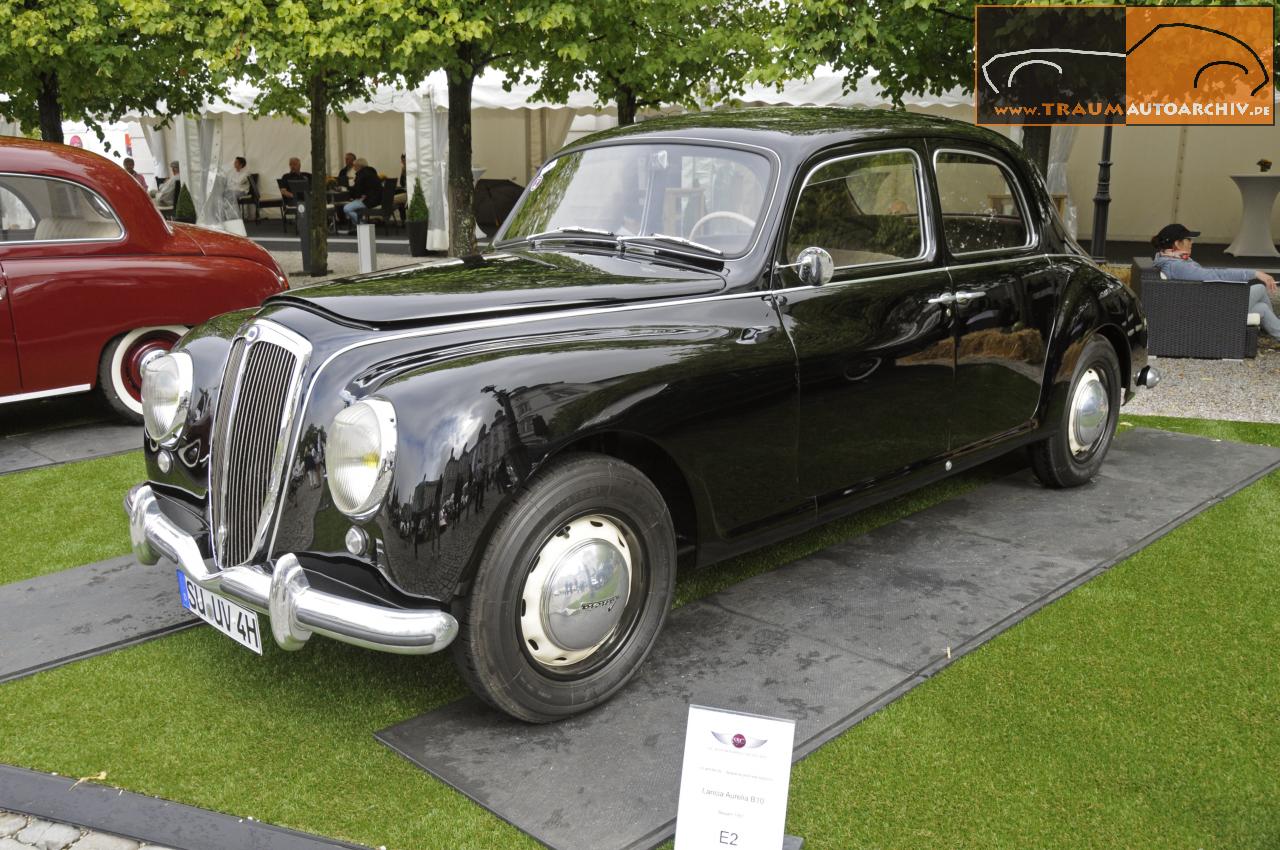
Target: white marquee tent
1158,170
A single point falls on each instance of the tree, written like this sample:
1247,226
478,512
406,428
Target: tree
464,37
305,56
639,55
94,63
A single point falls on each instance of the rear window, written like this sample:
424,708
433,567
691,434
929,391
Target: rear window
43,209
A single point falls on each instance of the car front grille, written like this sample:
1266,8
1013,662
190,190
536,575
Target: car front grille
252,426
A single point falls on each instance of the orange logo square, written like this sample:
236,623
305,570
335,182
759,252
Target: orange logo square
1205,65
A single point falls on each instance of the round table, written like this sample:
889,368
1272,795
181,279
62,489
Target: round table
1258,195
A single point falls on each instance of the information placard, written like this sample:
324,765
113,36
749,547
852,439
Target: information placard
733,788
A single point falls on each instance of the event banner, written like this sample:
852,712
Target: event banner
1124,65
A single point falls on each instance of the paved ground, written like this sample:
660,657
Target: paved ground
20,832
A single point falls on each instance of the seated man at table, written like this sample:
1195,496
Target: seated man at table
295,171
347,173
1173,260
366,192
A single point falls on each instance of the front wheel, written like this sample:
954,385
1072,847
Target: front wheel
120,370
571,591
1074,454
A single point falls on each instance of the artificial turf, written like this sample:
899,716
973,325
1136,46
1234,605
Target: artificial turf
1137,711
66,515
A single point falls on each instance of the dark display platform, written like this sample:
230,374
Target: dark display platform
825,640
85,611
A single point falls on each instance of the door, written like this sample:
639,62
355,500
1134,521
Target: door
1004,294
875,343
10,377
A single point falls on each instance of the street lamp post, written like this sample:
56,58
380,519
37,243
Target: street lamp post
1102,199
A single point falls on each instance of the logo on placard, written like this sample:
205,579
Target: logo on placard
739,741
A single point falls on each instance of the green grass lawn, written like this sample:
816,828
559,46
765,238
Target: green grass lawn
66,515
1139,711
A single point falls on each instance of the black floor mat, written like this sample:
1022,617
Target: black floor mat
825,640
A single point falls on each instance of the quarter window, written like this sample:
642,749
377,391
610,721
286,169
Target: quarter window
861,209
42,209
981,210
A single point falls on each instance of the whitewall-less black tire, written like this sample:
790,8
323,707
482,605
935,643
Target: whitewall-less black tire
571,591
1074,454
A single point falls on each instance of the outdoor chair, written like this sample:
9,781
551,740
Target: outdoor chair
251,201
1187,318
386,212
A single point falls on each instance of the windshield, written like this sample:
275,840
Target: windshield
714,196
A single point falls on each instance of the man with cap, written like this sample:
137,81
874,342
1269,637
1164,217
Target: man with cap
1173,259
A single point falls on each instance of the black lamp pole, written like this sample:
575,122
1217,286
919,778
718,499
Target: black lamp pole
1102,200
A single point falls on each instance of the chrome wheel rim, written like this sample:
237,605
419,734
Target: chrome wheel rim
1090,412
576,595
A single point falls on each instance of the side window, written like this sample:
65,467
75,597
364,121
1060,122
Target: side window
861,209
43,209
981,211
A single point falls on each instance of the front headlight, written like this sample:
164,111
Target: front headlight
360,454
166,395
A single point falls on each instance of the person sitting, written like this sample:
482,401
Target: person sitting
402,190
1173,260
295,172
366,192
238,179
138,178
348,172
167,195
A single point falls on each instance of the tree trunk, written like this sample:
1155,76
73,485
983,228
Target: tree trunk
626,100
462,216
1035,141
50,104
317,198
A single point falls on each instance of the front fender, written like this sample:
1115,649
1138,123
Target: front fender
1093,303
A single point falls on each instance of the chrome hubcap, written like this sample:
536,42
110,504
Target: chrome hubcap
1090,411
577,591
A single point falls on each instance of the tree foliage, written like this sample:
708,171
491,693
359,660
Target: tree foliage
91,61
638,55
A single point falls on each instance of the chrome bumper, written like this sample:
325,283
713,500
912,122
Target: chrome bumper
296,609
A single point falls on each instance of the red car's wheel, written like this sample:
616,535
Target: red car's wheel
120,371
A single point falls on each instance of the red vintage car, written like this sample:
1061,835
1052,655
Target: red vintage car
94,282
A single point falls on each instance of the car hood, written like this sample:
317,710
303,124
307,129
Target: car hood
500,283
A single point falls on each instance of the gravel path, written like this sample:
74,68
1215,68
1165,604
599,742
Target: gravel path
1241,390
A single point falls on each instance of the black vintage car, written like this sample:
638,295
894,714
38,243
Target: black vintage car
694,336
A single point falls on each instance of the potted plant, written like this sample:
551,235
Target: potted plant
184,210
416,221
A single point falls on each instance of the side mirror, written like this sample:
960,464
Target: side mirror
815,266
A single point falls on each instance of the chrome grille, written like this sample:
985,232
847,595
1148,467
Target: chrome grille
251,429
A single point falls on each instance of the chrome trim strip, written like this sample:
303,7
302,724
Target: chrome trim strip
1033,236
78,388
928,243
123,232
295,609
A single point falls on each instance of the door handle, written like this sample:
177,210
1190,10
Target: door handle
965,297
945,298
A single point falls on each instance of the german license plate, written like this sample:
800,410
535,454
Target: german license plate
235,621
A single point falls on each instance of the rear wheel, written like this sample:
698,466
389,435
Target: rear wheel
1074,455
571,592
120,370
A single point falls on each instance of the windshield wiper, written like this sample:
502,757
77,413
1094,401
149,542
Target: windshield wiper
674,240
569,231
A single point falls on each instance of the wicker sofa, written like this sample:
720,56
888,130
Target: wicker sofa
1205,319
